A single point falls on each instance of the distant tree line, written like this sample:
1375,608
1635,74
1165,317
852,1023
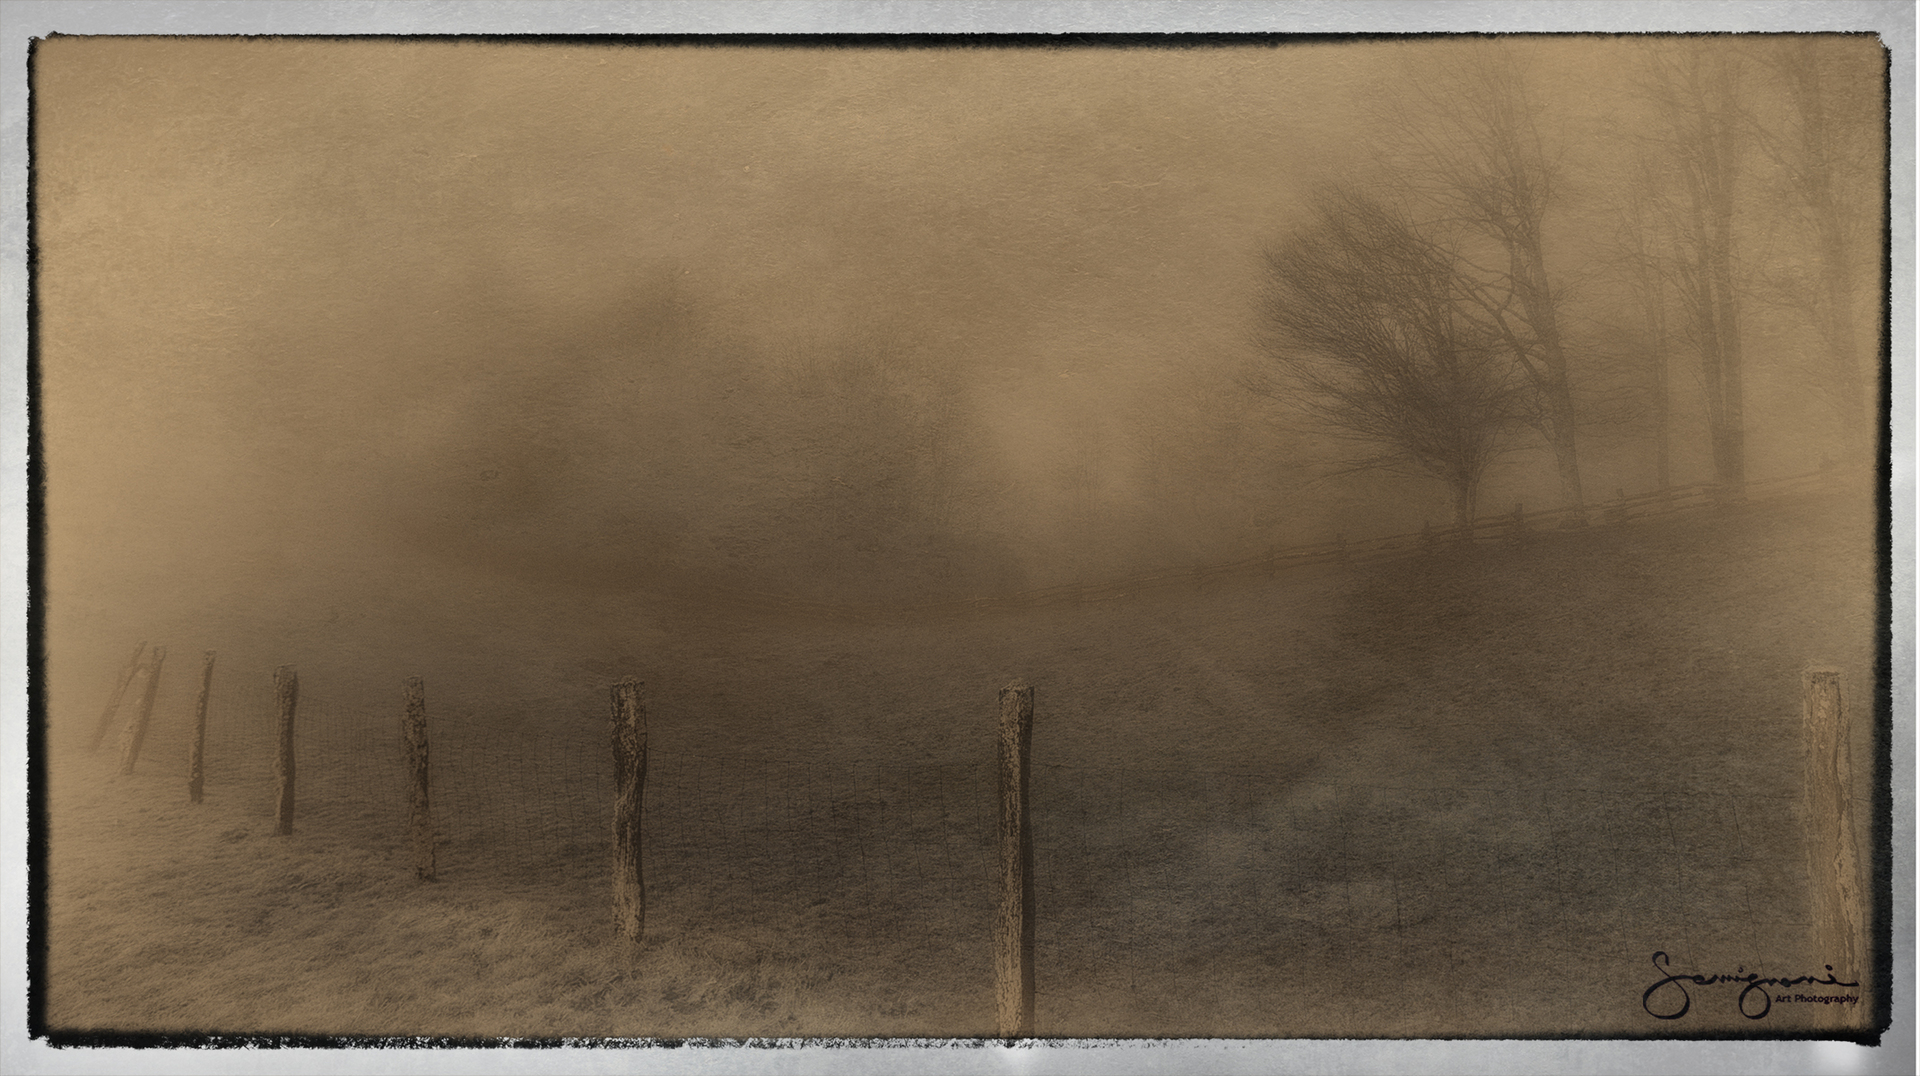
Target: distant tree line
1420,316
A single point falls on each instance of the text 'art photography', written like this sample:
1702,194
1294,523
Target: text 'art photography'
962,538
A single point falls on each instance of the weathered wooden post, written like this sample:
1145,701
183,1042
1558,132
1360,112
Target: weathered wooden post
413,730
1013,945
136,731
630,785
286,691
197,751
1831,851
113,700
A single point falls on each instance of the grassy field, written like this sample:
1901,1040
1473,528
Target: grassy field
1469,793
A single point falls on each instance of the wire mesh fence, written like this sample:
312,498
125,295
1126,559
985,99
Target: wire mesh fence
517,803
1146,877
1133,866
1140,871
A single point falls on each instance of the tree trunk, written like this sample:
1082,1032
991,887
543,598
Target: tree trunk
1566,455
1536,295
1827,152
1854,404
1732,471
1702,94
1715,315
1466,495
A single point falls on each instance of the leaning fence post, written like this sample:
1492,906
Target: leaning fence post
413,729
286,690
1831,851
630,783
136,731
197,753
1013,945
113,700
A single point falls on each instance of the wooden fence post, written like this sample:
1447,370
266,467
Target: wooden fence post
1013,945
413,730
286,691
1832,855
136,731
113,700
1617,512
197,752
630,784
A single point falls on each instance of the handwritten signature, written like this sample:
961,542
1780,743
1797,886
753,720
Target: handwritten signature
1754,984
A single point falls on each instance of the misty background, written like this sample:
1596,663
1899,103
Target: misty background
405,339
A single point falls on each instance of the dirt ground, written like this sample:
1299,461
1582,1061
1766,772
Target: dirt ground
1469,793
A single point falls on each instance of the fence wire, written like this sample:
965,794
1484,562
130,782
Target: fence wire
885,843
1136,869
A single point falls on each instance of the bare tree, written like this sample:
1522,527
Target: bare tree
1640,254
1471,155
1827,151
1363,317
1700,135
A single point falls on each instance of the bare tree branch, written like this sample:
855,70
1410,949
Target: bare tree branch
1366,326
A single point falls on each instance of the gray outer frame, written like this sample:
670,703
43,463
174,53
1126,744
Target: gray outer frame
22,20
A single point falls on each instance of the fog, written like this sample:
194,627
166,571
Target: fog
391,338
